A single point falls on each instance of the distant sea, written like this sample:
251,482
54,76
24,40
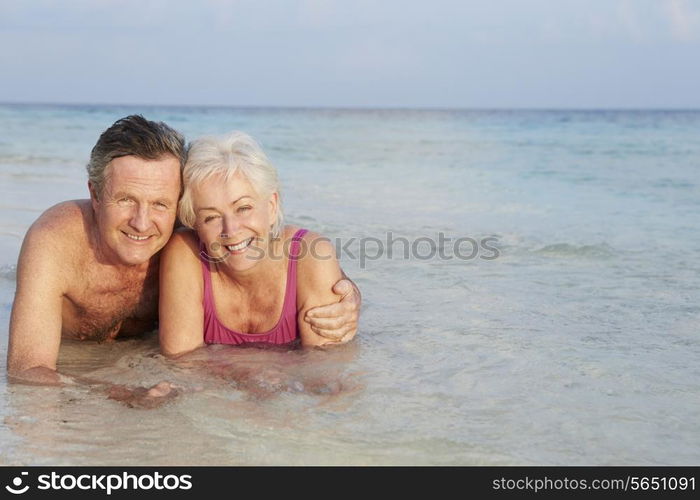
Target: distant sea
541,303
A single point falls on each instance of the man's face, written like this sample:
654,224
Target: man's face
137,208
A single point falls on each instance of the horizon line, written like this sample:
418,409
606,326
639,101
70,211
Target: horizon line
340,107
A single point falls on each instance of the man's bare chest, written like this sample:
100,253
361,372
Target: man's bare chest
103,307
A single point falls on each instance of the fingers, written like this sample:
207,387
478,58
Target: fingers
349,292
159,390
329,311
332,323
332,335
343,334
351,300
342,287
337,322
346,309
141,397
349,336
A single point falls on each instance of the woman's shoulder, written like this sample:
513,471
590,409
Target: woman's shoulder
289,231
317,262
314,245
317,271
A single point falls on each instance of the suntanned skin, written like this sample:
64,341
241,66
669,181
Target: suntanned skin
80,276
252,305
248,285
100,300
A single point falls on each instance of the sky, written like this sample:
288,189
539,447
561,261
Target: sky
353,53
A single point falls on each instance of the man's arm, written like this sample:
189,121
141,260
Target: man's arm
35,324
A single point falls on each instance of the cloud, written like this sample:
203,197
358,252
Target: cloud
334,52
685,20
629,19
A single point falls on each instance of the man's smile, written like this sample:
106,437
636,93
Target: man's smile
136,237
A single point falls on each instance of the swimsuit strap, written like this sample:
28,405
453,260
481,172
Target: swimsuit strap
285,329
295,252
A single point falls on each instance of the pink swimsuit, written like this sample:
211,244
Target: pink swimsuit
283,332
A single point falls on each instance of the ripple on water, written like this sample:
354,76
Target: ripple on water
566,250
8,272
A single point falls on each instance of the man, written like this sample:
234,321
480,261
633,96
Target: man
88,269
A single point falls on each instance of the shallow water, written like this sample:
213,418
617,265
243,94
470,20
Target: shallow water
578,344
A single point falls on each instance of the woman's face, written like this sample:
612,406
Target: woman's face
233,220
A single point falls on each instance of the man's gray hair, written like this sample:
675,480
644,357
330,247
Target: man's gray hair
226,155
133,135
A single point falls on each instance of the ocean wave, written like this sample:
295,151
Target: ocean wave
601,250
28,159
673,183
8,272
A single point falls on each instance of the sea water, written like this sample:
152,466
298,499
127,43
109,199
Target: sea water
540,303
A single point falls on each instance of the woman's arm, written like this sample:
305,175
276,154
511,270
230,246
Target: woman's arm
180,310
317,271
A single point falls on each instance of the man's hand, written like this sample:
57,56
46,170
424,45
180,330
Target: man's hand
338,322
145,398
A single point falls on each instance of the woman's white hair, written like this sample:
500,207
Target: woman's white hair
226,155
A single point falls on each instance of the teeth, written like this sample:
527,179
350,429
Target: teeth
240,246
136,238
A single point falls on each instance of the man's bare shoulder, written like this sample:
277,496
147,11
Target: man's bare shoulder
59,237
66,221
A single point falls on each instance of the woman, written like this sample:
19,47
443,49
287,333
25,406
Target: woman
239,275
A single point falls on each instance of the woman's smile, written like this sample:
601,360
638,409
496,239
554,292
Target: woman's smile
240,247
